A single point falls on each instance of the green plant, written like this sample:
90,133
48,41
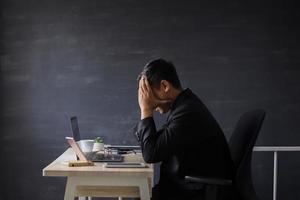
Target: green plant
98,140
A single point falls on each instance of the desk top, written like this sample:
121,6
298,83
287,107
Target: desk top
60,167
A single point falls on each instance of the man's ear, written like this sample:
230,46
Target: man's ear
165,85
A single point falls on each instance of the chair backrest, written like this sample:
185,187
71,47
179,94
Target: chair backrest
241,146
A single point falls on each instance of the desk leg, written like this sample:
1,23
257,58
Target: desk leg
144,189
70,189
275,176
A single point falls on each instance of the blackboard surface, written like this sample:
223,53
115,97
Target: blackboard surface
66,58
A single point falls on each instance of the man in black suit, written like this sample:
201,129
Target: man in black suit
190,143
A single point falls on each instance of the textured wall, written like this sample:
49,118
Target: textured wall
64,58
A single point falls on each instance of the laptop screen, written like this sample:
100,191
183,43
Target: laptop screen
75,128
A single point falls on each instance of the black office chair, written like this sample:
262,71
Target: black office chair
241,145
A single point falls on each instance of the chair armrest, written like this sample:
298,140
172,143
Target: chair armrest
208,181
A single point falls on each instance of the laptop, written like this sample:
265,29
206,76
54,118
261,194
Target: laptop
92,156
110,164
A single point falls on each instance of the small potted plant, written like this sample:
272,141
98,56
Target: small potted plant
98,144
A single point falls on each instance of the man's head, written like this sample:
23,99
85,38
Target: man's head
164,82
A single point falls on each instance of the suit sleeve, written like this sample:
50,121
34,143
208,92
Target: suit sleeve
158,145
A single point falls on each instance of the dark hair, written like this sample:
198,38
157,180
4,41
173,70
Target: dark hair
158,70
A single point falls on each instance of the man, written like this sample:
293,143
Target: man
190,143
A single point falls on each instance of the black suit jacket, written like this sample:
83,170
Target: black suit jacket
190,143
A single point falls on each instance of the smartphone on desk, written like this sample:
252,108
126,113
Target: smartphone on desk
125,165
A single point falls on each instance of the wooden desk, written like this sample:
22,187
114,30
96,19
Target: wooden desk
98,181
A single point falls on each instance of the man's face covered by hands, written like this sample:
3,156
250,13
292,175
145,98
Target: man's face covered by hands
164,107
153,97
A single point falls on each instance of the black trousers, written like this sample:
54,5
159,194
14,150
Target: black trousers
169,193
173,193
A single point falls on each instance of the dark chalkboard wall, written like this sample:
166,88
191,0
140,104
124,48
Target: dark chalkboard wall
81,57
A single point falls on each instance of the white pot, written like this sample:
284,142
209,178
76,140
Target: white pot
98,146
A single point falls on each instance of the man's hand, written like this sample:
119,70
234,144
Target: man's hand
146,98
147,101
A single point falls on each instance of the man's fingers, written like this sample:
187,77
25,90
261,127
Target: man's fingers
147,84
140,82
142,90
141,86
144,86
